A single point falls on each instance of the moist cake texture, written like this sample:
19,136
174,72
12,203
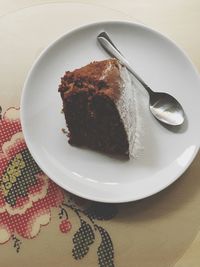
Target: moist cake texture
99,105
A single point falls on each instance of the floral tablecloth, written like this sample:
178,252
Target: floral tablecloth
28,198
40,223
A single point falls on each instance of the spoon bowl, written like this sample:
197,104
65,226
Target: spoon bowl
166,108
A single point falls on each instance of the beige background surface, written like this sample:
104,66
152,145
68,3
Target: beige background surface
179,19
161,231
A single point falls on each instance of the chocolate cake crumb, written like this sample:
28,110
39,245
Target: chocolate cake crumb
64,130
89,95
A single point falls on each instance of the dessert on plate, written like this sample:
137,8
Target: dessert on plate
101,108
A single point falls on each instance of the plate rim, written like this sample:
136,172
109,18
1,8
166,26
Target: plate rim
22,111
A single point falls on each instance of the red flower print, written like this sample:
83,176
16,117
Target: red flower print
65,226
26,193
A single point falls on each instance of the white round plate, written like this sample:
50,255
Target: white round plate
92,175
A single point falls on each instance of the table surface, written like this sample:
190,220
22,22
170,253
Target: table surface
166,226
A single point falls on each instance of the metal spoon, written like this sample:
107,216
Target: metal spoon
163,106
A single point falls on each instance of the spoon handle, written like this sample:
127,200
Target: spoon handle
108,45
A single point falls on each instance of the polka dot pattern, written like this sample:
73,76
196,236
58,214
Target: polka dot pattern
105,251
82,239
65,226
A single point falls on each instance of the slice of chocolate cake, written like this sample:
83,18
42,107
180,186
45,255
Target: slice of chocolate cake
98,103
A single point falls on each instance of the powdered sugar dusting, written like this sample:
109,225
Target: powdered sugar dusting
128,107
106,71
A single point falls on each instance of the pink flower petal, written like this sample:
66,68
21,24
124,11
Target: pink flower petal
14,146
9,125
28,225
